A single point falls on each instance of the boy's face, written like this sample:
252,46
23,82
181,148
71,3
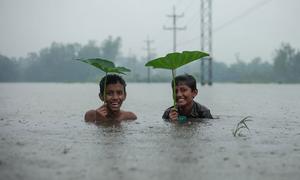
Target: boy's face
184,95
115,96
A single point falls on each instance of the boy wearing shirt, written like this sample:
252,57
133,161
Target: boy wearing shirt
186,91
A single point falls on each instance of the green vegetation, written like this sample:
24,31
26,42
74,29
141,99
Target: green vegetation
241,125
55,64
172,61
105,65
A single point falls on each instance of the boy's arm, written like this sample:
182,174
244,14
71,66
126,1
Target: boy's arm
99,114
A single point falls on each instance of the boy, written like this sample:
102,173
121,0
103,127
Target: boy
114,97
186,90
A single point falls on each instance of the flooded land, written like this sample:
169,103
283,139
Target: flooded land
43,134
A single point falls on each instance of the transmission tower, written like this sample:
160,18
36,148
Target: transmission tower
206,40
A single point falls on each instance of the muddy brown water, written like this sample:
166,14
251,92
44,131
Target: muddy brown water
43,135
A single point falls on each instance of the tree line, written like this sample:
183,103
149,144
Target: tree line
57,63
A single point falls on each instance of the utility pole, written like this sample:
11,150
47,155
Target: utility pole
148,49
206,39
174,16
174,28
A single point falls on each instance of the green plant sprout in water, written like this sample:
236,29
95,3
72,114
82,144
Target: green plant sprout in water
172,61
106,66
241,125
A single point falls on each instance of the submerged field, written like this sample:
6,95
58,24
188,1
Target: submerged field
43,135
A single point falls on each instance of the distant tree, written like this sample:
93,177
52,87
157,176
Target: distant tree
110,48
8,69
91,50
286,64
238,71
259,71
57,63
295,67
138,70
281,62
25,66
220,72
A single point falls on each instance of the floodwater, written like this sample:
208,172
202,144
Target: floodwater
43,135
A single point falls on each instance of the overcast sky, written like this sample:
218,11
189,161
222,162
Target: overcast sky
249,28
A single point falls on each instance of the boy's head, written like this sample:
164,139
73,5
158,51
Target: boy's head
186,79
115,91
186,89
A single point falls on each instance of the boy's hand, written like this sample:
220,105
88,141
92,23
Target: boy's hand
101,113
173,115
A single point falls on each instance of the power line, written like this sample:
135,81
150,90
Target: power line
244,14
189,5
231,21
189,9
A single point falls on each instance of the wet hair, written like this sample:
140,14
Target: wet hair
185,79
111,79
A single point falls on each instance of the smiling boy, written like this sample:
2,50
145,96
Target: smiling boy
186,91
114,97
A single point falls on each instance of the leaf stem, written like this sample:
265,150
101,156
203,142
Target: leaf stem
174,87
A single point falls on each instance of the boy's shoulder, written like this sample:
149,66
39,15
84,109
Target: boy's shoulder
127,115
199,106
90,116
200,111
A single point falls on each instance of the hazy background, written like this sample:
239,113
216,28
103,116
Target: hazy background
41,124
247,35
258,26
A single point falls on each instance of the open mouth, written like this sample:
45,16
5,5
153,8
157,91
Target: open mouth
115,105
180,100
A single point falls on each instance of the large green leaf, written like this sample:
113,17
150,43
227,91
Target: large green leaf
105,65
176,59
